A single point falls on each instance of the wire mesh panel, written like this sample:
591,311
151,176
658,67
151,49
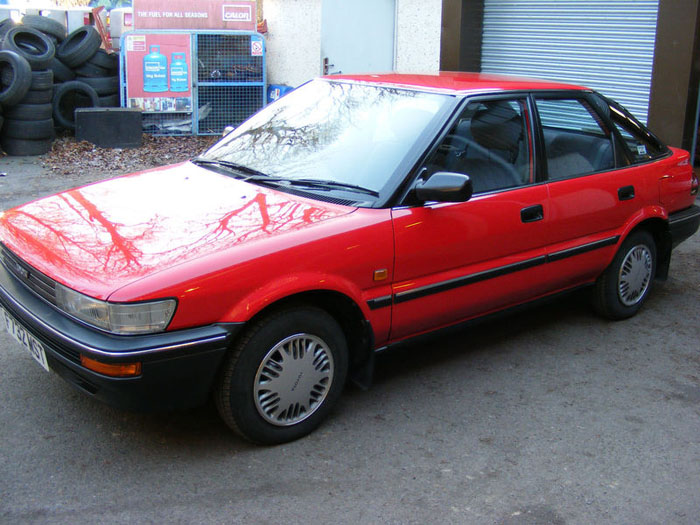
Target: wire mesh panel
221,106
193,82
231,79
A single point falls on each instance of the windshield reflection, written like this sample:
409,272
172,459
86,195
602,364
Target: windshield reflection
349,133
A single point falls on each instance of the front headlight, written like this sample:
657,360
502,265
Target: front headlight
118,318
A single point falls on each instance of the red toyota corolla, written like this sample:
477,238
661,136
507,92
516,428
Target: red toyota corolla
355,213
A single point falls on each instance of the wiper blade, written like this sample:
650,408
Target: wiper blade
311,183
229,165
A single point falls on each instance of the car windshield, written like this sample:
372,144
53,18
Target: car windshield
331,136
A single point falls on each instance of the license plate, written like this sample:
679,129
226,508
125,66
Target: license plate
27,340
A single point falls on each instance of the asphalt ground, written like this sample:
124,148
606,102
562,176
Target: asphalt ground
550,416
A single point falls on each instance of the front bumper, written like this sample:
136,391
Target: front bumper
178,368
683,224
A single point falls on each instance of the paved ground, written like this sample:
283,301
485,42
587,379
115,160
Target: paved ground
554,416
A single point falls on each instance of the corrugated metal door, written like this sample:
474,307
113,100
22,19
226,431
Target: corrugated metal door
605,45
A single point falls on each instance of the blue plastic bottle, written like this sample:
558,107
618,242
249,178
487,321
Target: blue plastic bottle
178,73
155,71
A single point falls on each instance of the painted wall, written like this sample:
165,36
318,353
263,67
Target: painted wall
294,38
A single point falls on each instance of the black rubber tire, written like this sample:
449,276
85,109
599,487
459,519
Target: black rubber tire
30,112
29,129
22,148
46,25
88,69
106,101
32,44
5,26
42,80
109,61
234,394
67,98
606,296
79,46
61,72
102,85
38,96
15,68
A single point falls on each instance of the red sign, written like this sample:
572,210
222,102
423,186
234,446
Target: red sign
204,14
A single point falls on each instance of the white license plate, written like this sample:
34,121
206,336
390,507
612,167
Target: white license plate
23,337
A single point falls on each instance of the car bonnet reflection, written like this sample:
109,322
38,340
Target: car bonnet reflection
101,237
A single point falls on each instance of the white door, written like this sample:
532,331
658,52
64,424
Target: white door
357,36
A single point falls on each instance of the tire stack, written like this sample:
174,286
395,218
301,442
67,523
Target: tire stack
45,75
26,91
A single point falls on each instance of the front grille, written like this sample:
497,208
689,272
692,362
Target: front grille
37,282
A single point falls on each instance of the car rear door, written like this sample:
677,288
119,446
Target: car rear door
455,261
592,192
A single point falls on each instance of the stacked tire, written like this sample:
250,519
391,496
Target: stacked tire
45,75
26,91
89,74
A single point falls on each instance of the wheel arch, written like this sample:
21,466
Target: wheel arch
658,228
356,328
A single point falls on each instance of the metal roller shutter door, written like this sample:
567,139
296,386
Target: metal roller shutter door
605,45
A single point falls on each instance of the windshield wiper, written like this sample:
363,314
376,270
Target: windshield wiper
240,168
312,183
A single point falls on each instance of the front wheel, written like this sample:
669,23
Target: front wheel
283,376
624,286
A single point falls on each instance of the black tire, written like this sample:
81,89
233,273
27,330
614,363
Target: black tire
18,73
106,101
29,112
61,72
236,397
102,85
21,147
29,129
88,69
67,99
31,44
40,79
79,46
5,26
39,96
624,286
109,61
46,25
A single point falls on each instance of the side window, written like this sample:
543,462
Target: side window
576,140
640,144
491,143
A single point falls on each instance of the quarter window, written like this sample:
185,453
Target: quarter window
641,145
491,143
576,140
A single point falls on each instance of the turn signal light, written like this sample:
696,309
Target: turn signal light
111,369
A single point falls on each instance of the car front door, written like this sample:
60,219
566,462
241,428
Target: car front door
455,261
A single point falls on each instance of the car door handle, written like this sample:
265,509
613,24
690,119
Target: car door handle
625,193
532,213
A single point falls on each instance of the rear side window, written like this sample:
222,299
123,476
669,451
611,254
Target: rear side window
577,142
639,143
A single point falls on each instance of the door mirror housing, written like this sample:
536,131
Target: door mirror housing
444,186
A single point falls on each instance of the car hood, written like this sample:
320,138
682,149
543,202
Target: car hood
100,237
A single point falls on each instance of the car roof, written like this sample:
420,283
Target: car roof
458,82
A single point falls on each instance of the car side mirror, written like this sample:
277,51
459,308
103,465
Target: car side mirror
445,186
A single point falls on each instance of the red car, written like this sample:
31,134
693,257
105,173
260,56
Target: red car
353,214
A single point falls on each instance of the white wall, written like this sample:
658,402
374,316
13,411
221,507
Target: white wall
294,38
418,30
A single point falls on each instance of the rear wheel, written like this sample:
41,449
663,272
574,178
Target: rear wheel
283,376
624,286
